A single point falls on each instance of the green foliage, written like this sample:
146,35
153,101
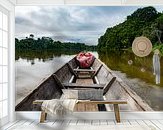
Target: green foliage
46,43
159,22
145,14
159,47
143,22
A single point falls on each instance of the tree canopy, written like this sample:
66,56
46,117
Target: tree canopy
47,43
145,21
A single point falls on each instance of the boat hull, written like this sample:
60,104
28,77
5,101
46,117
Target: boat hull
50,88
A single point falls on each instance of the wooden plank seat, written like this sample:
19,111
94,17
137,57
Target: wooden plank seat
84,73
84,70
105,87
77,70
65,85
115,104
86,76
74,85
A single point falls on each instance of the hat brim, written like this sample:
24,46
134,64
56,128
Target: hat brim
146,51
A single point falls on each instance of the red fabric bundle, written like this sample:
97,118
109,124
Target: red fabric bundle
85,59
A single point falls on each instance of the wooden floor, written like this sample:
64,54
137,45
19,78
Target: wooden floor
158,124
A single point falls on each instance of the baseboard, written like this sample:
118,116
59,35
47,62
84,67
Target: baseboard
95,115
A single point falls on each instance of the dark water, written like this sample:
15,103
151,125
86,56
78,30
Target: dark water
32,67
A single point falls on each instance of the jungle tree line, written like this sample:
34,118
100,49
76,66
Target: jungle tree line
47,43
145,21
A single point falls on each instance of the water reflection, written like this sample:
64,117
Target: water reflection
43,56
132,65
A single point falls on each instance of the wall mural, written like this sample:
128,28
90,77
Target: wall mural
127,39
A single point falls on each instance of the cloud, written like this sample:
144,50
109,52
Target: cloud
69,23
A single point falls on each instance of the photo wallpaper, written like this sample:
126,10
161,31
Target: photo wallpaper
89,53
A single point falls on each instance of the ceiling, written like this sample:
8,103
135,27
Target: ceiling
87,2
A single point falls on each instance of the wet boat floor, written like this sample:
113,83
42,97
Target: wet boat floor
84,81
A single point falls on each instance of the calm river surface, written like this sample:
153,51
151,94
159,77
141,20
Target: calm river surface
32,67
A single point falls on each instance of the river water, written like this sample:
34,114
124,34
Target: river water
32,67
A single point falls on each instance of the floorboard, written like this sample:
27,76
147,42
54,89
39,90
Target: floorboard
158,124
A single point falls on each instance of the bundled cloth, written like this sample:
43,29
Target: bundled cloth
59,107
85,60
156,67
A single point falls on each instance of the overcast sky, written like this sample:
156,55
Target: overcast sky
69,23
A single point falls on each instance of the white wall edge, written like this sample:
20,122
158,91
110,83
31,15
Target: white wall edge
94,2
89,2
39,2
12,65
13,1
4,121
142,2
7,5
94,115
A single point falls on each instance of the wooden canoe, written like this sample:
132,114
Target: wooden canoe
100,77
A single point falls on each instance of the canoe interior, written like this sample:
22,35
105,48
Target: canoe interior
49,89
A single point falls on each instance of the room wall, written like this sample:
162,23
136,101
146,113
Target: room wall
9,6
25,115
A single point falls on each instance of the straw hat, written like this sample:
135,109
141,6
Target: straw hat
141,46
